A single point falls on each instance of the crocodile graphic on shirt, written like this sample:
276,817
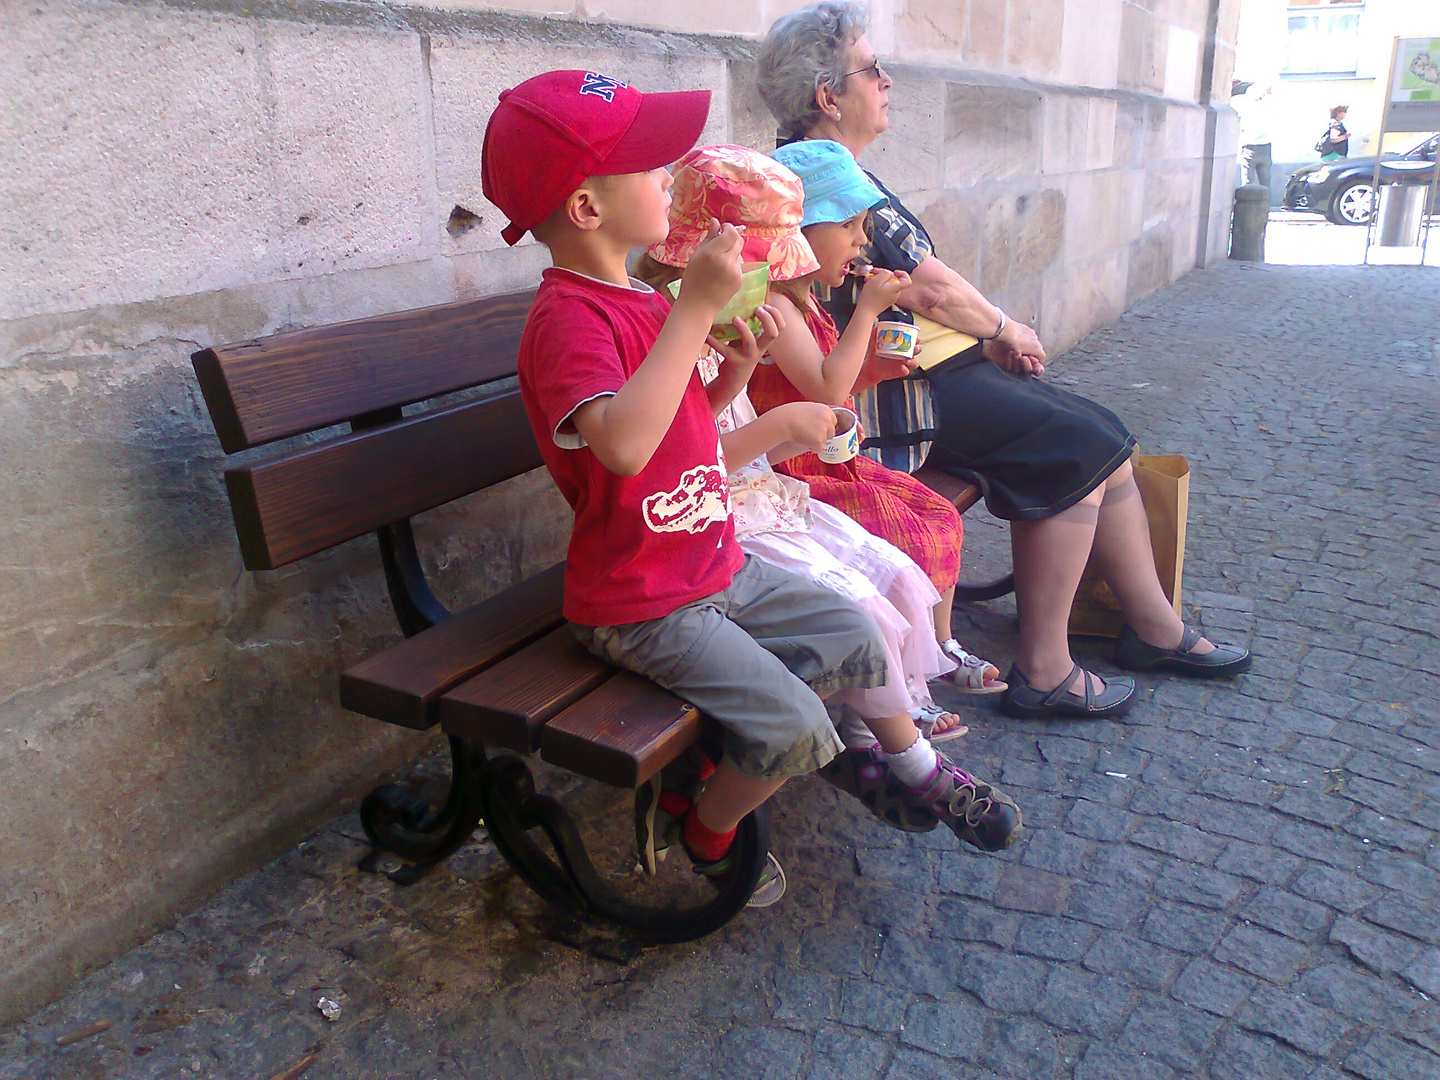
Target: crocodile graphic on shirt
700,499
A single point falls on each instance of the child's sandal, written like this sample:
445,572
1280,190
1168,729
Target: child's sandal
927,716
969,675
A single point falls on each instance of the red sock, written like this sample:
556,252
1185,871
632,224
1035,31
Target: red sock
704,843
674,804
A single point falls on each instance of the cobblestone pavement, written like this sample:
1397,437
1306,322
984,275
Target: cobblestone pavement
1236,882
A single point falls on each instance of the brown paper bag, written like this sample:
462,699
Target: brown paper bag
1164,482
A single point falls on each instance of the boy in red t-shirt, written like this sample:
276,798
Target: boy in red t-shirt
654,579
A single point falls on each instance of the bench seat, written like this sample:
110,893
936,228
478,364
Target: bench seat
578,712
510,673
506,705
404,684
960,492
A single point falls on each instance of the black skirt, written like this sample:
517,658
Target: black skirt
1033,449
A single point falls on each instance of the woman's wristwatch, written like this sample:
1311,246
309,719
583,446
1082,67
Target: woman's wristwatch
999,329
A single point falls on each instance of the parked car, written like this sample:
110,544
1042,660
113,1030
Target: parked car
1342,189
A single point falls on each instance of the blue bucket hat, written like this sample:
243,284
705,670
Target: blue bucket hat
835,187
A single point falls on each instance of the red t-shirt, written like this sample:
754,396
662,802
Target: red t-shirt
643,545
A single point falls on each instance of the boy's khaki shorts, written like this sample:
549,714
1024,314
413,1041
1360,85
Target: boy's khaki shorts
753,657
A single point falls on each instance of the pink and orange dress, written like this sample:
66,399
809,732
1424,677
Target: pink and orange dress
893,505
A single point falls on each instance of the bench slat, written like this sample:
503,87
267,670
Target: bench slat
404,683
506,705
623,733
960,492
275,387
304,501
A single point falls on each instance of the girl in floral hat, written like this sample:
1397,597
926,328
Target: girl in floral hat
813,361
776,518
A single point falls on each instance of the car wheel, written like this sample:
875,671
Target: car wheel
1352,203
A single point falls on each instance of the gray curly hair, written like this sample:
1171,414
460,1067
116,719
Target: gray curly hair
803,51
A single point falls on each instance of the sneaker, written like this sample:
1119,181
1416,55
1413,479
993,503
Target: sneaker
769,889
661,804
979,814
865,775
771,886
659,812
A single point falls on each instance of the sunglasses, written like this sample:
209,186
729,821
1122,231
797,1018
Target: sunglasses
875,67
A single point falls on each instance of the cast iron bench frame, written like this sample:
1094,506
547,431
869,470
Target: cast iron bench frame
506,674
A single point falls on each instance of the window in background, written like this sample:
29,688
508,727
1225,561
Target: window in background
1323,37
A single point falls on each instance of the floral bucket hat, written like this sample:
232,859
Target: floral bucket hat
738,186
836,188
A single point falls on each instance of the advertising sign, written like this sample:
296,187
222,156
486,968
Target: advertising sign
1414,102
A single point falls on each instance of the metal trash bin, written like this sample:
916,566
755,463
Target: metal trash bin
1401,207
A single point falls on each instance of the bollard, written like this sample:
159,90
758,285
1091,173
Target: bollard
1247,222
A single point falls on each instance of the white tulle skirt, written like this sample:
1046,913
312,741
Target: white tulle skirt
840,555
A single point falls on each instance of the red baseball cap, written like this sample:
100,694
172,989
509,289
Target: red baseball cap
551,133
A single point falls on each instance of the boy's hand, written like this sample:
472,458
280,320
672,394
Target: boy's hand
808,423
882,289
713,275
746,352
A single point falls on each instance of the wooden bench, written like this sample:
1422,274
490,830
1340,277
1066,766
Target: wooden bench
964,495
505,674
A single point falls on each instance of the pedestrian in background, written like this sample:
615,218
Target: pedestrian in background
1254,107
1335,143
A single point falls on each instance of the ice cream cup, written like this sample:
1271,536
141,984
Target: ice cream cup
845,443
754,287
896,339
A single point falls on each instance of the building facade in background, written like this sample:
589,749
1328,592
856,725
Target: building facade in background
1317,54
178,173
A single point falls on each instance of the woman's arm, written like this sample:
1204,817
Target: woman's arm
939,293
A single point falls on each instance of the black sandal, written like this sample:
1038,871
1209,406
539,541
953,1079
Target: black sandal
1027,703
1137,655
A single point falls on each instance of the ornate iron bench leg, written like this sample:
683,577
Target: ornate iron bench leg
512,808
1001,587
397,820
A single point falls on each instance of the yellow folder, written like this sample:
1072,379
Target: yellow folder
939,343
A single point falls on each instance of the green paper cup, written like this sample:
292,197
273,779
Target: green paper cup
754,287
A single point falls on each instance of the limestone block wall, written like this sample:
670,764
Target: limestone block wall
177,174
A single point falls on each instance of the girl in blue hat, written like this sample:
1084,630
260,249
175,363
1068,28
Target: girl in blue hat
813,361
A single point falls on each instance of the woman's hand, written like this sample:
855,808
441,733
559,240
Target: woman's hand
1021,340
882,289
1016,363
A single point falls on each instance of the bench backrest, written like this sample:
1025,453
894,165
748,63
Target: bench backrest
388,466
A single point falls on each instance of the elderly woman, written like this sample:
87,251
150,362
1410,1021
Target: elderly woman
1053,464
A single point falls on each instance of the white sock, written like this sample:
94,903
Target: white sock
915,766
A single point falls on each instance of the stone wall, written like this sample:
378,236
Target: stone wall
174,175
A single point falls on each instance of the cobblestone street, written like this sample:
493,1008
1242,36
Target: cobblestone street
1238,881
